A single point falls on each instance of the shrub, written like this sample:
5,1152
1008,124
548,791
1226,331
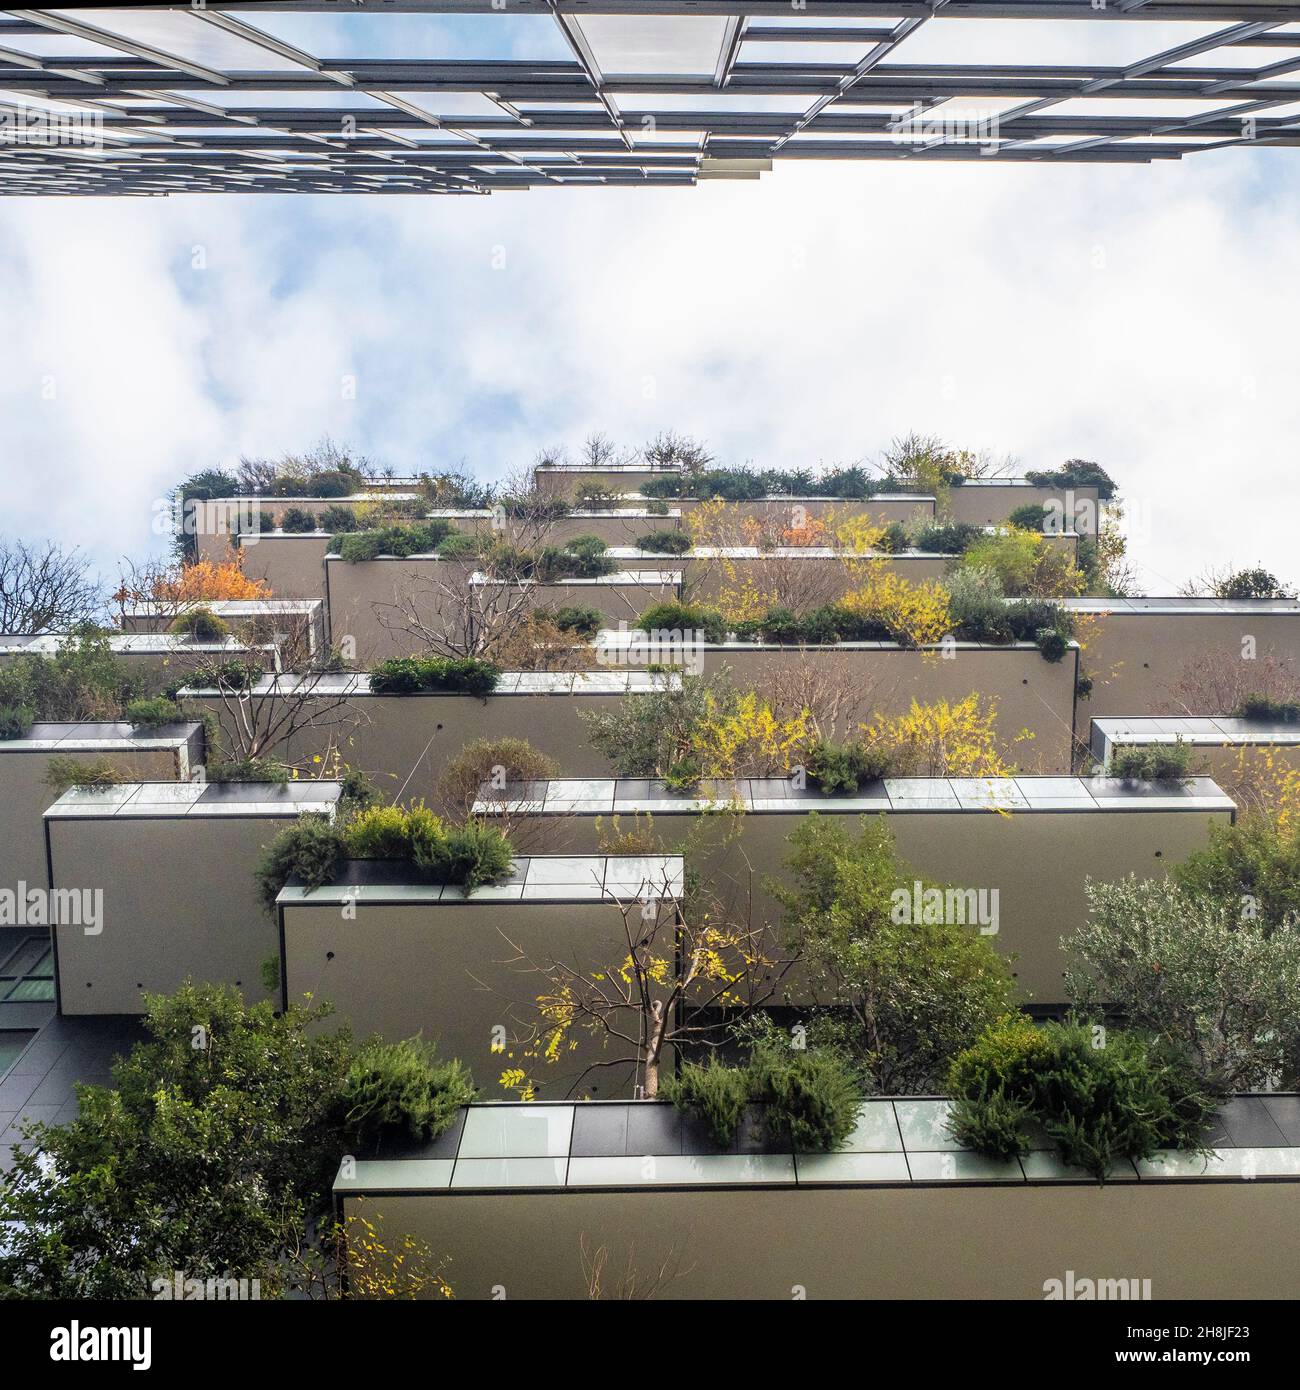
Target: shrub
684,618
811,1096
895,539
201,625
1100,1094
1152,762
310,851
420,538
16,720
656,506
1031,517
1254,583
585,622
1026,563
581,558
83,679
946,538
644,735
844,767
717,1093
62,773
460,546
1075,473
339,520
592,496
535,507
683,775
475,854
396,832
1253,864
1199,970
248,770
409,675
1265,710
297,520
500,762
1051,645
978,607
400,1089
152,711
664,542
458,491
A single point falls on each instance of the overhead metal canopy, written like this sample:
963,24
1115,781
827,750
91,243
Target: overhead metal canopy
467,96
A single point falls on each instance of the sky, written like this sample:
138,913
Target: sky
1138,316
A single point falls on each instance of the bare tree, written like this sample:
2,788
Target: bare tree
833,692
460,611
631,1284
686,975
44,588
300,713
1216,682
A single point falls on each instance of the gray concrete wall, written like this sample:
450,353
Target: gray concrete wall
179,899
451,971
394,738
1038,861
989,504
25,797
1206,1240
1138,659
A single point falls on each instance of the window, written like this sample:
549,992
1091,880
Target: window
27,974
12,1043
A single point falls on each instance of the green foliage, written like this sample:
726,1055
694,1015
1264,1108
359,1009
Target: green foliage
310,851
664,542
978,605
16,720
201,625
714,1091
1052,645
646,735
93,775
946,538
1268,711
1031,517
895,539
809,1097
359,792
82,680
903,997
339,521
212,1153
396,832
400,1089
747,484
684,618
297,520
844,767
1198,970
1152,762
1075,473
683,775
581,558
410,675
457,491
152,712
583,622
591,495
419,538
248,770
460,546
1101,1094
1253,583
656,506
1252,865
476,854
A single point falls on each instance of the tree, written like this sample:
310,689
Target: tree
902,998
83,679
687,975
1253,864
216,1139
1233,584
44,588
1188,967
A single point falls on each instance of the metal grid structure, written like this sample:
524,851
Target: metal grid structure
161,99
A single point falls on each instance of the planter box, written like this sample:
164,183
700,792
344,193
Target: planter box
175,864
884,508
1227,749
292,563
394,738
300,620
366,599
1035,840
217,520
562,479
157,658
1137,649
1032,694
512,1195
172,753
409,957
990,501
